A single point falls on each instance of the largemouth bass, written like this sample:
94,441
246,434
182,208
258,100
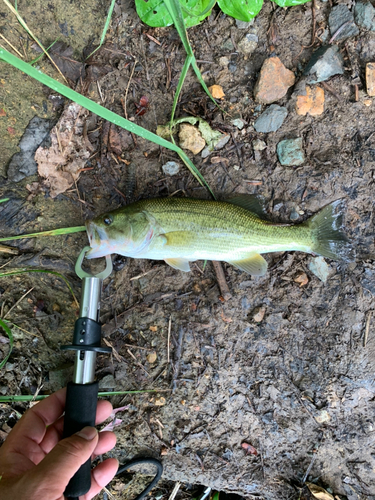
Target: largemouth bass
182,230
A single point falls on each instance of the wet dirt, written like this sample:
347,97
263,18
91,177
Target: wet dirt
298,385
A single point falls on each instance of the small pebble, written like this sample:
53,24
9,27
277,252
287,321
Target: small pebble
191,139
271,119
325,62
171,168
259,145
290,152
238,122
311,103
151,357
243,25
320,268
274,81
364,14
339,15
248,44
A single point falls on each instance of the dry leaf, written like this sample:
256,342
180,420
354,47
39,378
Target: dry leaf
160,401
151,358
250,450
302,279
319,492
154,328
259,313
217,91
60,164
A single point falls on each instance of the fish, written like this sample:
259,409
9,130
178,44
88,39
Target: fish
183,230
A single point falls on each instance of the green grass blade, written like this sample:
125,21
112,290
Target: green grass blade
8,331
98,109
4,200
46,271
14,399
52,232
175,11
184,71
105,29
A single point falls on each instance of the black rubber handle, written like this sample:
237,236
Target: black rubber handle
80,411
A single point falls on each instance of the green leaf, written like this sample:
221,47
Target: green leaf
155,13
290,3
8,331
244,10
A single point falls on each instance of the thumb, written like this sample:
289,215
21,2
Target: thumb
51,476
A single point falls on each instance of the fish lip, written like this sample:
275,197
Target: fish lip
96,237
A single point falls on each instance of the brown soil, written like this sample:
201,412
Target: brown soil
299,385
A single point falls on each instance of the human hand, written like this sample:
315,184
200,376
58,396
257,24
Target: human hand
36,464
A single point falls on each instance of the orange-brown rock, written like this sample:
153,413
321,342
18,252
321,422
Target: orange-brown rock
370,78
216,91
274,81
312,102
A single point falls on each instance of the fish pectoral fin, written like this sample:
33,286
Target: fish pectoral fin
253,203
254,265
181,264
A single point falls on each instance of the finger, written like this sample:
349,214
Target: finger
101,476
51,476
33,423
54,432
107,441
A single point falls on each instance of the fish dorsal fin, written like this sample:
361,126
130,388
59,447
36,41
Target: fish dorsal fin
254,265
181,264
251,202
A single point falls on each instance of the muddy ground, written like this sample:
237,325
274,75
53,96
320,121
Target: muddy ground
299,385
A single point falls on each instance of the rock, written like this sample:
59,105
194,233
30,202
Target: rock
259,145
23,164
271,120
151,357
224,61
191,138
171,168
216,91
290,152
232,67
312,102
243,25
219,144
370,78
248,44
324,63
320,268
274,81
364,14
107,382
228,45
238,122
340,15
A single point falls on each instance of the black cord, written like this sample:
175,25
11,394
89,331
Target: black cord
137,461
131,464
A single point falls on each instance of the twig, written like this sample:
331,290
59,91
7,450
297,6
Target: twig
10,250
330,89
18,301
368,321
340,30
177,359
313,7
175,491
8,42
221,280
127,90
139,364
114,352
169,337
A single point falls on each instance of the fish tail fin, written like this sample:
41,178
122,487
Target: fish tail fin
328,239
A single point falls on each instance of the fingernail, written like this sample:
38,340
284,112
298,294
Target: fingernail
87,433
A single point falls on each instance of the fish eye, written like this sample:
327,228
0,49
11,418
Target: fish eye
108,219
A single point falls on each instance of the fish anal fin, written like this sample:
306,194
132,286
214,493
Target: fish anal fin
251,202
254,265
181,264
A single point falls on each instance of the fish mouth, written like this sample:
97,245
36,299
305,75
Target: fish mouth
98,241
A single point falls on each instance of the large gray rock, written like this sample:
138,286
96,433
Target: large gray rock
324,63
23,164
271,120
340,15
364,14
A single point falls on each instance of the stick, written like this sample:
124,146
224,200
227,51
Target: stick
221,280
368,321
